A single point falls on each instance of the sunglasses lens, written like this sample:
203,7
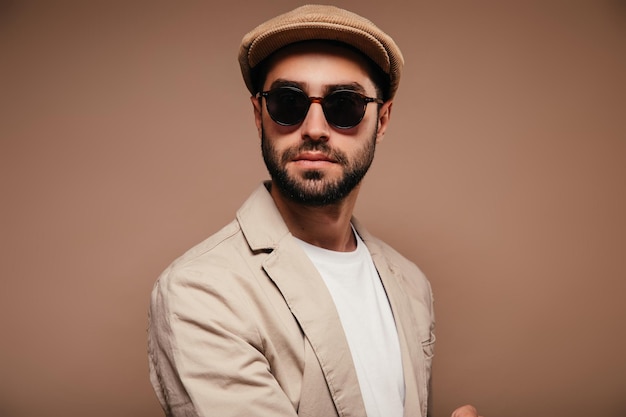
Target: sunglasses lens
344,109
287,106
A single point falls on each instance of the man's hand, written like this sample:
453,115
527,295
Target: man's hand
465,411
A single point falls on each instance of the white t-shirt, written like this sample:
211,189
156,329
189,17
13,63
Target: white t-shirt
366,317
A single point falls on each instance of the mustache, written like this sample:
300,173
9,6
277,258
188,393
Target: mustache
310,146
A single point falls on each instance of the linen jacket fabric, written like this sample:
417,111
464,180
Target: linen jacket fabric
243,325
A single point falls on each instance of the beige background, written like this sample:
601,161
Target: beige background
127,137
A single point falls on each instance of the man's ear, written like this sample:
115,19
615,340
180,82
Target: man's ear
384,114
256,105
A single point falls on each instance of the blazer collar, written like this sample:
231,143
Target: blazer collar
260,220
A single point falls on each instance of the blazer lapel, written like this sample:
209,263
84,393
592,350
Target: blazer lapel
410,345
313,307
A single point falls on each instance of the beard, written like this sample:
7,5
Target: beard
313,188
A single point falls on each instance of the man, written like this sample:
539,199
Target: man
294,309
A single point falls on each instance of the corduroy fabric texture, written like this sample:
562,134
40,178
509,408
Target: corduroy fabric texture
320,22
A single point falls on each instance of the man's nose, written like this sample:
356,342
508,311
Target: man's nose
315,126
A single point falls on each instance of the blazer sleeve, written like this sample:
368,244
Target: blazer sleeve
205,351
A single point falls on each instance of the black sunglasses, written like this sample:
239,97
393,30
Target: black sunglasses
343,109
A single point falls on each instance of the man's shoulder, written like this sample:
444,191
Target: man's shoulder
215,252
380,248
232,250
396,259
406,272
222,238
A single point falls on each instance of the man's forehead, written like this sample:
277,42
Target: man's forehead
327,88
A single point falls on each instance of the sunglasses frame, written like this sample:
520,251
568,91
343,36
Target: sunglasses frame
320,100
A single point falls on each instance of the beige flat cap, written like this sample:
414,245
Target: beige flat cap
319,22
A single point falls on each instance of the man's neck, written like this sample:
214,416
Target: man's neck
325,226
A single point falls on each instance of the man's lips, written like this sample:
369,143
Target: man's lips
313,157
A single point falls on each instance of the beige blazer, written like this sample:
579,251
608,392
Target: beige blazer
243,325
